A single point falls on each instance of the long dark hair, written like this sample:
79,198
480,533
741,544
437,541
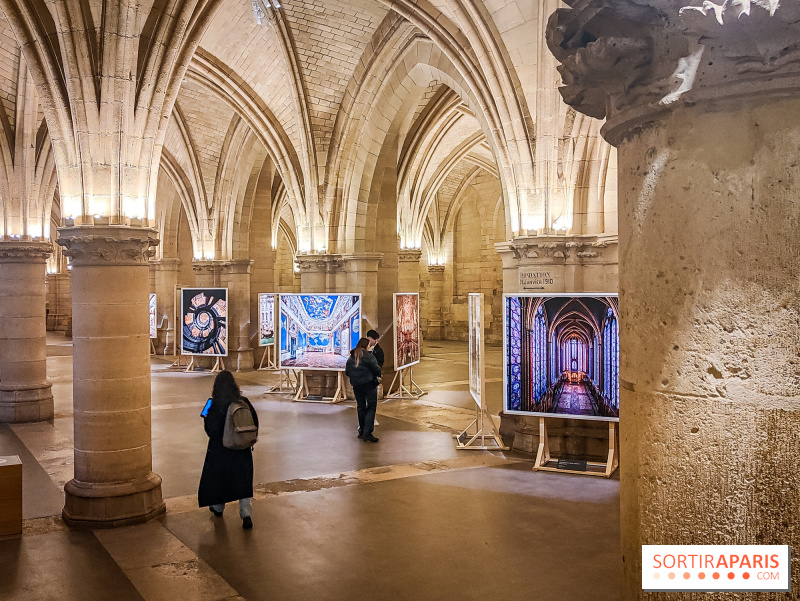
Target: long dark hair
225,388
358,352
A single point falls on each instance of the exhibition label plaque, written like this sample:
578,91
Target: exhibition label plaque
533,279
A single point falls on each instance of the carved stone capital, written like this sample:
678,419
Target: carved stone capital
212,267
436,270
108,244
362,262
548,250
237,266
320,263
627,61
24,251
170,264
409,255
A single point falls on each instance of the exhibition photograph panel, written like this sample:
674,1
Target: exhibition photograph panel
475,347
561,355
406,330
204,321
266,319
317,331
153,326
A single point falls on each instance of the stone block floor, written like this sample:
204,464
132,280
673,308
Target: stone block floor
335,518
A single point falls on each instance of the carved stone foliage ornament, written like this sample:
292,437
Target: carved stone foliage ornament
108,245
624,59
24,251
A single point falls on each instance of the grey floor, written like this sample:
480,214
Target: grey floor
335,518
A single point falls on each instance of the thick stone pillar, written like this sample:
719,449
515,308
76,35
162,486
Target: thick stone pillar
59,302
114,483
709,178
408,271
434,298
166,278
25,394
235,276
362,276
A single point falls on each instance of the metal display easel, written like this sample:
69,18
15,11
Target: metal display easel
410,391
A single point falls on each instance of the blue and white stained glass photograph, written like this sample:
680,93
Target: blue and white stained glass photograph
318,330
562,355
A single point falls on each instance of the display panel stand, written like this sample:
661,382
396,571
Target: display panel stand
179,361
152,347
482,438
219,365
410,391
270,357
543,457
290,378
301,395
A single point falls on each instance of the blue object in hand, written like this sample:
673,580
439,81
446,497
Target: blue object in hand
204,412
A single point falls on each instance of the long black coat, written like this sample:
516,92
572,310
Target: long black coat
366,373
227,473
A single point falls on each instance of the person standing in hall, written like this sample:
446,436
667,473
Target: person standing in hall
227,473
363,370
376,349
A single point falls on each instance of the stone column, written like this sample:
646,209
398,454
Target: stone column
25,394
709,177
362,276
206,273
59,299
319,273
166,278
434,302
235,276
408,272
114,483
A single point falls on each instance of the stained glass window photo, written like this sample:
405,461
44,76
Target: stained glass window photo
204,323
561,355
317,331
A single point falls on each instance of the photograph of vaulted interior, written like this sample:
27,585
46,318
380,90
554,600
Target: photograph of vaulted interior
643,153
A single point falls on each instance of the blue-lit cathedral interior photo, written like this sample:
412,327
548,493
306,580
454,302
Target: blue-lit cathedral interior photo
562,355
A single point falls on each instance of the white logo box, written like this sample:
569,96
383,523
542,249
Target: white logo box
716,568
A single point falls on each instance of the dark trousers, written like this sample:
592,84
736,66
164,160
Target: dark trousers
366,403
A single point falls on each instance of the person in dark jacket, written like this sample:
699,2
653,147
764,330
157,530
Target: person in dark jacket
376,349
364,371
227,473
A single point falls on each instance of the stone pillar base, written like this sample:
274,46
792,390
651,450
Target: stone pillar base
91,505
239,360
26,404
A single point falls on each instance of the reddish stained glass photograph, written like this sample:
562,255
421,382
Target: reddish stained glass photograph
406,330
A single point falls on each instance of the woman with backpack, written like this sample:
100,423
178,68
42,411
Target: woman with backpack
363,370
228,468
